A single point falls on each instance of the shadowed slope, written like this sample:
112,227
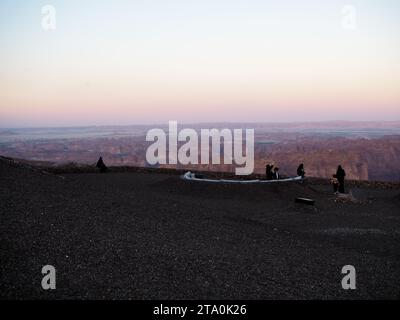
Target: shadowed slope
149,235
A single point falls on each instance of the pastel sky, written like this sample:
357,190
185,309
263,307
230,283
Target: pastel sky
150,61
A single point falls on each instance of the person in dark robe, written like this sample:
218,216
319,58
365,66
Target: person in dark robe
300,171
340,175
268,171
101,166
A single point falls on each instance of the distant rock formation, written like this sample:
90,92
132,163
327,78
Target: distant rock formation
363,159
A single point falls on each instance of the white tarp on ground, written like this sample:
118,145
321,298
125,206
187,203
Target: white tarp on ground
192,177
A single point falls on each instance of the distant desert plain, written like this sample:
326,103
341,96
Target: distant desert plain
367,150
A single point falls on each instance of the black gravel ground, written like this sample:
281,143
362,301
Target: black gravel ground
155,236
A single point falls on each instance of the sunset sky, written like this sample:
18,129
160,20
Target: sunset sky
150,61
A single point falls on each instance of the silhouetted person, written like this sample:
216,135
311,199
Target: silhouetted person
268,171
275,174
340,174
100,164
300,171
335,183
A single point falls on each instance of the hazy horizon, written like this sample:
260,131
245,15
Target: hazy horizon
274,123
124,62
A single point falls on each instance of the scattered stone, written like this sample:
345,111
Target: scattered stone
305,201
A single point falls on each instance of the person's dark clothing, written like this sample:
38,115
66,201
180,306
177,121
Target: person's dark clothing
275,175
340,175
100,164
300,171
268,171
335,183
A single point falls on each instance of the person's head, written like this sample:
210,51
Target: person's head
301,166
276,169
340,167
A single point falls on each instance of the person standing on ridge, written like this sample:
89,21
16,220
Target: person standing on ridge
300,171
335,184
340,175
268,171
100,164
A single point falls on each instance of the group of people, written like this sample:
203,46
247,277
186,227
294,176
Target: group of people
272,173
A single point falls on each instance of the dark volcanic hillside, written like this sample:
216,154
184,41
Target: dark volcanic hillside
141,236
